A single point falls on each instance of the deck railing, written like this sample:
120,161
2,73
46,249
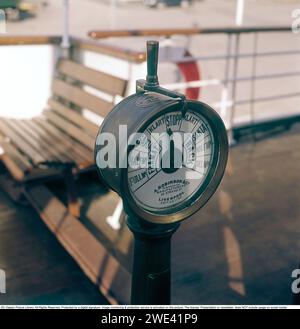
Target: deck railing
229,52
244,76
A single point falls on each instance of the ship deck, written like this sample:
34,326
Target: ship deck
239,249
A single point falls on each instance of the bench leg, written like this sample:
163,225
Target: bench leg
13,189
73,202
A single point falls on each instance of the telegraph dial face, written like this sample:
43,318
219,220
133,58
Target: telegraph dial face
172,162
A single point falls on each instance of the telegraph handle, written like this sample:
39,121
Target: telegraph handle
152,62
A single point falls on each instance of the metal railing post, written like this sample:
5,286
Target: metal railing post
65,44
253,75
234,76
224,95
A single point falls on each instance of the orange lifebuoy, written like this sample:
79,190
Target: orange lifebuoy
190,72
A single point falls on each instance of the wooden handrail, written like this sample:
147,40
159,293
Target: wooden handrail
91,45
105,49
128,54
28,40
184,31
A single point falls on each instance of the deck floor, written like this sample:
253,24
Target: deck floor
38,269
241,248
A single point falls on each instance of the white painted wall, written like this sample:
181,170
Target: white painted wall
25,79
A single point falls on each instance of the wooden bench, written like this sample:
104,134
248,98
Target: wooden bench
60,141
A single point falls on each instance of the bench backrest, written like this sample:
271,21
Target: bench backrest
77,88
70,91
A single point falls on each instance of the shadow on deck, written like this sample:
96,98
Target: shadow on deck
38,269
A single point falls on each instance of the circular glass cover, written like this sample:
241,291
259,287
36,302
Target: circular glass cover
170,160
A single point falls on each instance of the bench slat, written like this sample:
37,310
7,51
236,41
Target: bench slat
52,152
14,169
74,117
81,98
82,155
16,164
20,142
36,143
99,80
13,152
70,129
59,148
